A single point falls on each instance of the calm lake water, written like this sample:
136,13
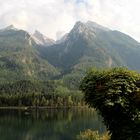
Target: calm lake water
56,124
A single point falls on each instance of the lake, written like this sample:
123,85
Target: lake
50,124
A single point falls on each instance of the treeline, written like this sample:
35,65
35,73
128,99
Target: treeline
35,93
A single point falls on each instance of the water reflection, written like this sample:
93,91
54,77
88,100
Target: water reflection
50,124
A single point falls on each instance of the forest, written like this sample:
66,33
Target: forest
34,94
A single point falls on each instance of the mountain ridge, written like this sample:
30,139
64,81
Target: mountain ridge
94,40
86,45
19,59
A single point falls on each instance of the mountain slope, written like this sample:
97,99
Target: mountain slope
86,45
19,59
92,45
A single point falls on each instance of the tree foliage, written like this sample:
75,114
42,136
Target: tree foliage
115,93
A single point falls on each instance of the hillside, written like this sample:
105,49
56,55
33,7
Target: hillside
19,59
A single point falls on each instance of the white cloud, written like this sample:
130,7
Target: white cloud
58,16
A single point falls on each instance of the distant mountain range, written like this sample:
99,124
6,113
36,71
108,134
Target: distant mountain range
26,56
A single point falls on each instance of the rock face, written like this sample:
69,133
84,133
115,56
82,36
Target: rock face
41,39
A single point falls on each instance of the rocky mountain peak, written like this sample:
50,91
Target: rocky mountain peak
11,27
91,24
38,34
42,39
79,27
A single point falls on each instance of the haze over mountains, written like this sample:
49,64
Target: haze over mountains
26,56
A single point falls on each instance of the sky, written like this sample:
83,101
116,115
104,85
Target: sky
54,18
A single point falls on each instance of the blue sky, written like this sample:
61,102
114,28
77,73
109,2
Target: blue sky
54,18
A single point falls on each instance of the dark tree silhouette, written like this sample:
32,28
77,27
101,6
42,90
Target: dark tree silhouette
115,93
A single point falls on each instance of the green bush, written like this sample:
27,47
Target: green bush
115,93
92,135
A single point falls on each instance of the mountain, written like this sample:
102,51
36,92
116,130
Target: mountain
92,45
19,59
42,40
10,27
87,45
